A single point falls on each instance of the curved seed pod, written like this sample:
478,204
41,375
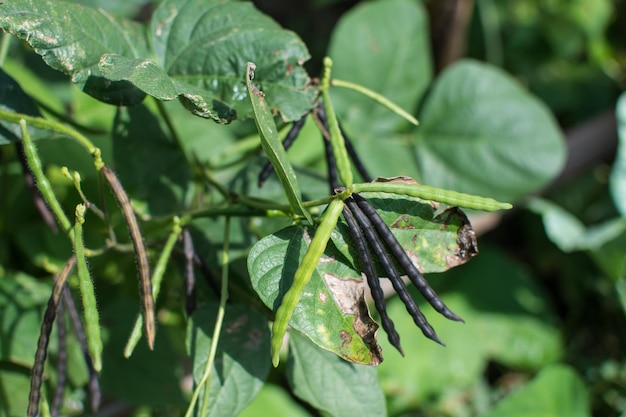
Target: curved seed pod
375,243
87,292
291,137
367,266
157,277
303,275
143,265
44,338
403,259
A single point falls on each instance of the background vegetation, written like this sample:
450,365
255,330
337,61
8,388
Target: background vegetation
519,101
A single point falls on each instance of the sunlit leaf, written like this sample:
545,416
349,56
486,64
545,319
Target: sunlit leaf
63,34
481,133
195,50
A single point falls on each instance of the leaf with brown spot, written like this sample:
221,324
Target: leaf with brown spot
332,311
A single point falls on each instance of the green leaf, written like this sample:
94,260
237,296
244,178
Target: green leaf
383,46
150,166
207,44
195,50
332,311
14,99
557,391
481,133
273,147
332,385
63,34
435,241
618,173
242,361
148,378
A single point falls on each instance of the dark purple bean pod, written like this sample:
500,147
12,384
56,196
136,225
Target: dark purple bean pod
403,259
366,265
375,243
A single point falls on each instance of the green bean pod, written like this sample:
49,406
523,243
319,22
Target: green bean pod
426,192
88,295
303,275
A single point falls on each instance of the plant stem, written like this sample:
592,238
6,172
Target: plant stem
384,101
45,124
219,320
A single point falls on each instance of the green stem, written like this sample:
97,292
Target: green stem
219,320
384,101
42,182
50,125
157,278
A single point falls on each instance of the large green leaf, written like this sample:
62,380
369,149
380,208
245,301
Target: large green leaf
242,361
332,312
557,391
618,174
332,385
207,44
382,45
195,50
71,38
481,133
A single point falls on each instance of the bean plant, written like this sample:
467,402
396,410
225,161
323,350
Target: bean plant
231,209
